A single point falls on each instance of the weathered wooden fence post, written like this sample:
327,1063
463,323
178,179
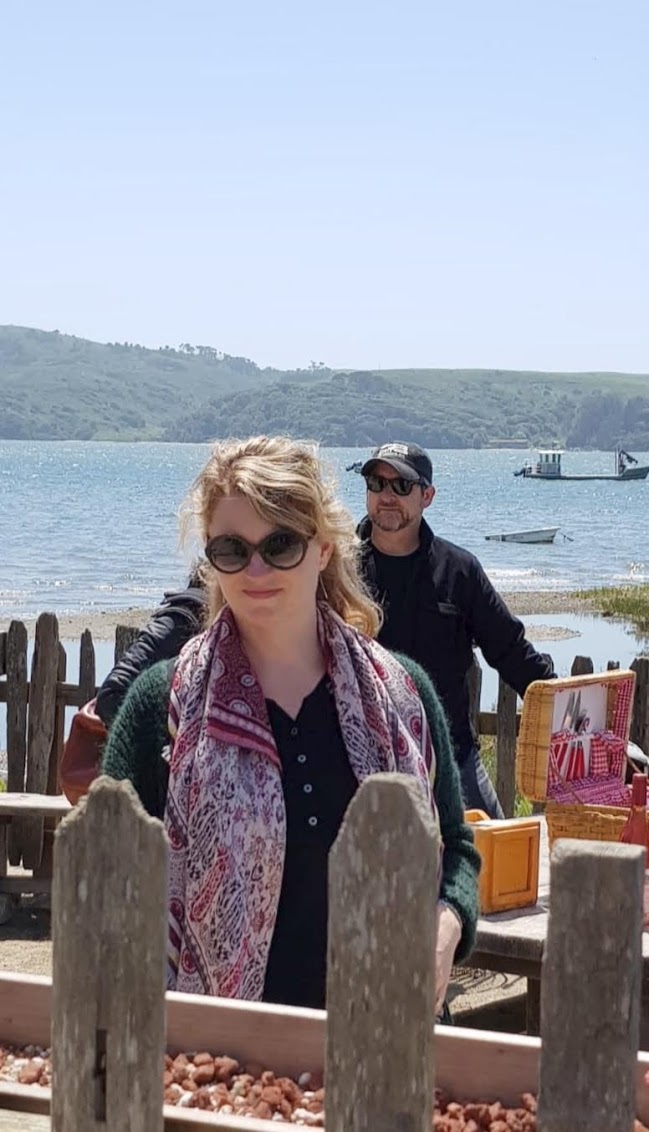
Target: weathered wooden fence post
44,868
125,635
7,900
474,679
16,668
40,727
379,1073
87,670
109,958
59,728
590,991
640,718
506,748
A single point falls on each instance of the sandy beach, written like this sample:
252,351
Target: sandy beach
102,623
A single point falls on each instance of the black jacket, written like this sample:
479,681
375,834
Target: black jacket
179,617
450,606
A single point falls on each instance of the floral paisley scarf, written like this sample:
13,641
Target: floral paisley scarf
225,815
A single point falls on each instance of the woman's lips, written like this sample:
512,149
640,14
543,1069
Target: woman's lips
261,593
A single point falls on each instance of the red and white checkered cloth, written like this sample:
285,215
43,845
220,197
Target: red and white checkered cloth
553,769
606,790
599,753
595,759
567,756
623,706
607,753
573,757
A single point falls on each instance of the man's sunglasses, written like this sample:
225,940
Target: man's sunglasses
282,550
400,485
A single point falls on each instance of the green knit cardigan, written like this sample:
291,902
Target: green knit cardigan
138,737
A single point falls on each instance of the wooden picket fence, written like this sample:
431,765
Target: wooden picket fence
36,703
383,1055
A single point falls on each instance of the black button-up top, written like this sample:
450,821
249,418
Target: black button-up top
318,785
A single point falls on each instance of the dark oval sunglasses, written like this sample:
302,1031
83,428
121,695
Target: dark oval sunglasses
282,550
400,485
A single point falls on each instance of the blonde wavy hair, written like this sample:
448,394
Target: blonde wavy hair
284,481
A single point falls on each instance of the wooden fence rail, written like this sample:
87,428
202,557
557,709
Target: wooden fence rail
382,1047
36,703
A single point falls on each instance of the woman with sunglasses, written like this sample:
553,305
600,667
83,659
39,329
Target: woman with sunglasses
251,745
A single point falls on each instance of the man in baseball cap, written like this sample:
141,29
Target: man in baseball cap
409,460
438,603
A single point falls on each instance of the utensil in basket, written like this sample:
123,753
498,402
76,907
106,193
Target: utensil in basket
568,713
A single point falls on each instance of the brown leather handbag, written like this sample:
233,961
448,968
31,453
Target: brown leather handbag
81,760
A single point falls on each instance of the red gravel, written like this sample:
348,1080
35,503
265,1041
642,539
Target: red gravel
221,1084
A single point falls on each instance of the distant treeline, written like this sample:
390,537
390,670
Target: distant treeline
349,410
605,420
56,386
353,410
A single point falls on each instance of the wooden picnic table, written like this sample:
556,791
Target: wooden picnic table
14,806
33,805
513,942
23,1122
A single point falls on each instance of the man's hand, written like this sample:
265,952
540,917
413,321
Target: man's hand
449,933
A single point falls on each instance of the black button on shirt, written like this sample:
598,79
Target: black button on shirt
318,785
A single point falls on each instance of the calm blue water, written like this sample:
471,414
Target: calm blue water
93,526
87,525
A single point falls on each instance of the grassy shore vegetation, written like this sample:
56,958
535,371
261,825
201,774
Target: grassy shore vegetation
522,807
629,603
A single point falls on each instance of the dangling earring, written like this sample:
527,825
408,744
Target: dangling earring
323,589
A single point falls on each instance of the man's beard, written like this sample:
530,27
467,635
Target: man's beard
390,519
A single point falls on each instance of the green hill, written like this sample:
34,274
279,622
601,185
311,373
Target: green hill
55,386
436,408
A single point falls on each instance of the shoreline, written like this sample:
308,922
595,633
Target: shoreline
102,623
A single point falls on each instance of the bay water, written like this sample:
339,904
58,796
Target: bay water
93,526
89,526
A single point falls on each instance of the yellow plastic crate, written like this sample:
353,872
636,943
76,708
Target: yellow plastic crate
536,729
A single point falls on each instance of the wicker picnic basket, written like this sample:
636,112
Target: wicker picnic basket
584,822
574,815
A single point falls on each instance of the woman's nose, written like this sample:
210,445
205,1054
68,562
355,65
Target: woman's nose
257,567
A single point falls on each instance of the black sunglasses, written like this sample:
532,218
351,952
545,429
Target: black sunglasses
282,550
400,485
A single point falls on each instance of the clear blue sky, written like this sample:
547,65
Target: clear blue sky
423,183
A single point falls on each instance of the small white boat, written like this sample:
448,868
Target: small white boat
543,534
548,467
